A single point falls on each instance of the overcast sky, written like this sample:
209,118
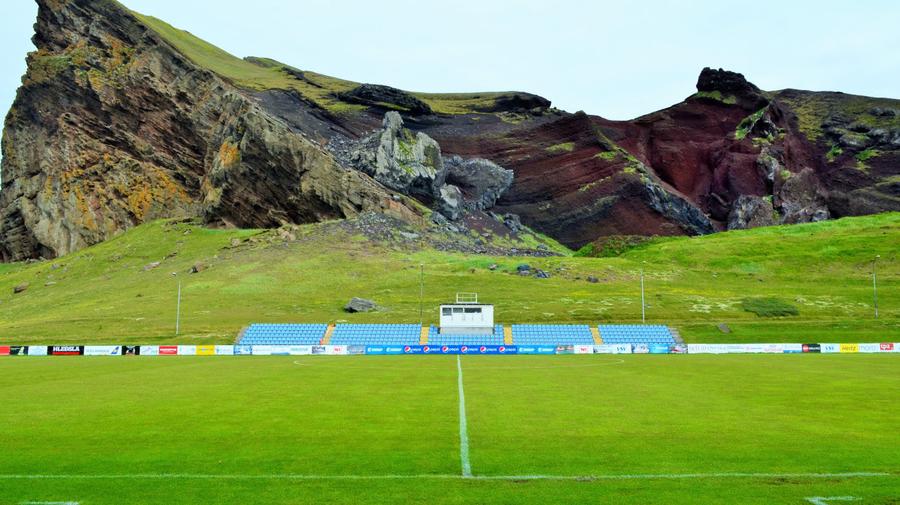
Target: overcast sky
614,59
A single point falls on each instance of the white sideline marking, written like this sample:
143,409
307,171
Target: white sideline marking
463,431
290,476
823,500
49,503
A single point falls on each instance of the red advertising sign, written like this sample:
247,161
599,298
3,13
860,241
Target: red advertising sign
4,350
168,350
887,347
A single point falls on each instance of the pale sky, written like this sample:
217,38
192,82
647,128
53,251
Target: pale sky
614,59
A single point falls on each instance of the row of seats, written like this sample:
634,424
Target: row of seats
284,334
370,334
436,338
409,334
542,334
636,334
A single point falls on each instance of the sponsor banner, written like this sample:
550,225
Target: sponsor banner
384,349
187,350
168,350
565,349
792,348
584,349
271,350
242,350
131,350
829,348
849,348
869,347
37,350
66,350
412,349
705,349
102,350
612,349
4,350
640,349
206,350
886,347
659,348
336,350
678,349
356,349
18,350
318,349
149,350
536,349
299,350
811,348
224,350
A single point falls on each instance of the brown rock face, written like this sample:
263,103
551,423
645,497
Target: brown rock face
112,127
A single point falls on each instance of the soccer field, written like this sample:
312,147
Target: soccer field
735,429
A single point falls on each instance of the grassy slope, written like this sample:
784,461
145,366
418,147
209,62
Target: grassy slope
565,415
319,88
102,294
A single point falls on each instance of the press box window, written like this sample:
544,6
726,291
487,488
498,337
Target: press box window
446,311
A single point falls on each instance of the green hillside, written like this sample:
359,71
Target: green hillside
821,271
264,73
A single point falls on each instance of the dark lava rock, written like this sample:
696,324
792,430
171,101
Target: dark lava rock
197,267
750,211
513,222
20,288
376,94
724,328
731,83
360,305
592,279
481,181
540,274
492,267
524,267
518,102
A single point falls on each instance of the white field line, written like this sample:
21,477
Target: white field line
463,429
823,500
290,476
49,503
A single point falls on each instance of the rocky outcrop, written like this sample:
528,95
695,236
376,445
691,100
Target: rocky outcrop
750,211
382,96
112,127
481,181
802,198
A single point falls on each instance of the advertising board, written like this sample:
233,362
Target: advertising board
168,350
149,350
659,348
37,350
4,350
66,350
102,350
811,348
612,349
849,348
187,350
869,348
830,348
536,349
206,350
224,350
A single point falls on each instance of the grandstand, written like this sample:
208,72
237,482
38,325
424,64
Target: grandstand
635,334
552,334
435,337
376,334
283,334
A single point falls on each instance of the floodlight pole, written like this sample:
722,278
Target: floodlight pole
875,283
178,310
643,310
421,290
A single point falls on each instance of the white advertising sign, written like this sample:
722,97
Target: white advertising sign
584,349
831,348
102,350
149,350
37,350
224,350
187,350
869,347
612,349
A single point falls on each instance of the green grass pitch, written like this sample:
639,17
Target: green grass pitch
751,429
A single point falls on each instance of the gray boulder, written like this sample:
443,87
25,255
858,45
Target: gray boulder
401,160
360,305
750,211
481,181
450,201
803,199
20,288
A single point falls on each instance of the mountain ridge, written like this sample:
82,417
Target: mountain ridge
122,118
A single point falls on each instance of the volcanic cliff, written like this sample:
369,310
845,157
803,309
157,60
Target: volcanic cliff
122,119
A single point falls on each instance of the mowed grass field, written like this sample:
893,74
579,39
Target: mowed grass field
108,293
752,429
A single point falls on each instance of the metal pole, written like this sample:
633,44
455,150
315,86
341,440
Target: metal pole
421,291
643,312
875,284
178,310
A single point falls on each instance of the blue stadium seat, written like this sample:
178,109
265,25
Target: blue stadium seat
635,334
376,334
283,334
552,334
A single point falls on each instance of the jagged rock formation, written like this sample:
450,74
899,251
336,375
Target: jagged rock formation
120,120
113,127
